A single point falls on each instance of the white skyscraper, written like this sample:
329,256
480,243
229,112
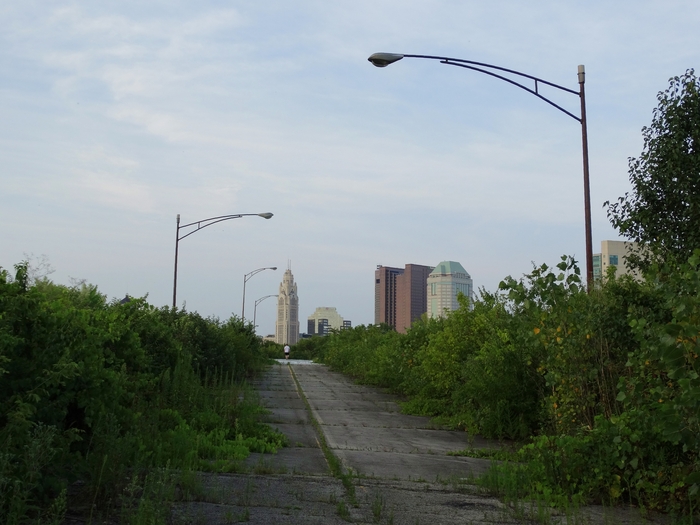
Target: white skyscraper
444,283
287,326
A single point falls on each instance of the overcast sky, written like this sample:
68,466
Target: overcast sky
115,116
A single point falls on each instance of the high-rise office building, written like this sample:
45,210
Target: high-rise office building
613,253
445,282
287,325
385,294
325,318
411,295
400,295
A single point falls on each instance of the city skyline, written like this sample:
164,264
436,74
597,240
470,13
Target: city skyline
119,116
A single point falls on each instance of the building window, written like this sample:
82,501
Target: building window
613,260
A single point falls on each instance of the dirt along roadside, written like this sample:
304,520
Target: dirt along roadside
353,457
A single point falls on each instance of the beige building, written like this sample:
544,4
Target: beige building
287,325
613,253
445,282
323,319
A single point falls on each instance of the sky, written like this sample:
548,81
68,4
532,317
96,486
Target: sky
115,116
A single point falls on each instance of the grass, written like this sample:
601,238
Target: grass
377,507
343,510
497,454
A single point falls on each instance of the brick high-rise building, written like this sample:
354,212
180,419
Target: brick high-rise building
385,294
400,295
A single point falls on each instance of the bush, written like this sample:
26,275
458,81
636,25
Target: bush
603,388
92,390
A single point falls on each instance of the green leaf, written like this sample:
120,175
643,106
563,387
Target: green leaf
692,478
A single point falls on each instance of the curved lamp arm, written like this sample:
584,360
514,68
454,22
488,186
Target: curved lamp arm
257,302
384,59
200,225
213,220
246,277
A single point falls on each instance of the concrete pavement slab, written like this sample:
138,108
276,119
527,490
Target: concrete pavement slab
265,499
289,403
363,406
298,435
385,419
428,467
278,394
287,415
392,439
292,460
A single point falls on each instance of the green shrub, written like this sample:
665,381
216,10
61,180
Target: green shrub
92,391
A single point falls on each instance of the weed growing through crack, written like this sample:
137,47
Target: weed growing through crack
343,511
377,507
247,494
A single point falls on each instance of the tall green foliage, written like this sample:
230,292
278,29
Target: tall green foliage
466,369
603,385
663,210
91,390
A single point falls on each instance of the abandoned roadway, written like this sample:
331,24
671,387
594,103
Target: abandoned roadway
394,467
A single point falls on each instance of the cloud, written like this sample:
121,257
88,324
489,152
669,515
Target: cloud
104,179
145,110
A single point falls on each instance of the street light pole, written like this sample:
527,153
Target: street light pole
385,59
200,225
255,309
246,277
586,183
177,242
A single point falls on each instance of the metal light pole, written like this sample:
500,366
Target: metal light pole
385,59
257,302
200,225
246,277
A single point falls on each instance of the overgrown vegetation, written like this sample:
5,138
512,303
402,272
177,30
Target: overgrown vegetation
663,211
602,387
101,401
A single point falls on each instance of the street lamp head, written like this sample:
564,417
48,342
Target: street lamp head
266,215
273,268
384,59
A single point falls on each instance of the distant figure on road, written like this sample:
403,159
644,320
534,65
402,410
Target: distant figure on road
286,351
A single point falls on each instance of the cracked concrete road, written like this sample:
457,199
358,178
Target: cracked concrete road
400,470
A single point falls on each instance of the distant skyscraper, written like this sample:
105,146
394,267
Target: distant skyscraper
287,326
323,319
385,294
444,283
400,295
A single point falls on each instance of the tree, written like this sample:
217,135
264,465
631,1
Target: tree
662,213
